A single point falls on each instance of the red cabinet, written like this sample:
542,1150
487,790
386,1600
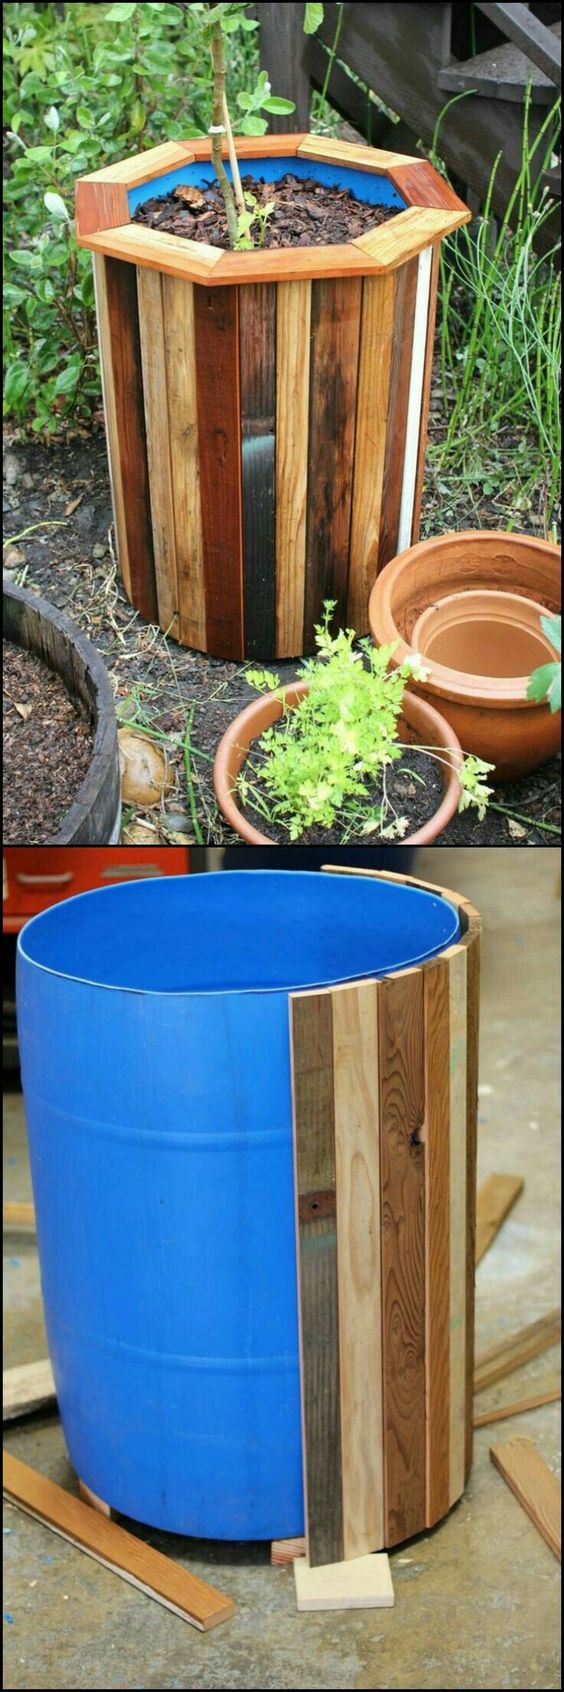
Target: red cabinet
36,876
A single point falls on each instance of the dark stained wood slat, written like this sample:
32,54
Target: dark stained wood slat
472,1042
402,344
257,352
437,1236
314,1152
335,331
123,316
217,374
402,1086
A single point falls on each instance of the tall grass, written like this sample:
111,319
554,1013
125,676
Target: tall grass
500,328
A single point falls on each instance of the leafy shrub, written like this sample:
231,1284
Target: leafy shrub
546,682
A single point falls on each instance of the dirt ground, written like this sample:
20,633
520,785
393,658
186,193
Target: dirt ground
60,496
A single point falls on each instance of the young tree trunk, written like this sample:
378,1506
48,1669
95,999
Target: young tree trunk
218,129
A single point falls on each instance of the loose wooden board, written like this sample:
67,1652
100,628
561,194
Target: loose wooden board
28,1387
283,1551
153,1573
503,1359
365,1583
18,1215
495,1200
548,1394
534,1484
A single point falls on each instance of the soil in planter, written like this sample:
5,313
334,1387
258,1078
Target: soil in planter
47,748
414,788
306,214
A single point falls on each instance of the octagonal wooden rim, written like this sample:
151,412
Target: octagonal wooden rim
103,221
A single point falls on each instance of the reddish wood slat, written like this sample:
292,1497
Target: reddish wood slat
402,344
121,287
335,329
421,185
100,205
437,1236
217,375
401,1035
257,348
534,1484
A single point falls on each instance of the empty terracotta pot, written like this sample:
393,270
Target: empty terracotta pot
419,722
432,599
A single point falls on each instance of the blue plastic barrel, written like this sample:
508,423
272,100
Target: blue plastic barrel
155,1054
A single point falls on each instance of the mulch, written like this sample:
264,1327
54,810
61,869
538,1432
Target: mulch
306,213
47,748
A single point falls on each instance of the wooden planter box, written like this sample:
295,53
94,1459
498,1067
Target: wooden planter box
266,412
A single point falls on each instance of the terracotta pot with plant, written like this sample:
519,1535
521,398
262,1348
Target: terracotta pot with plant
333,756
266,394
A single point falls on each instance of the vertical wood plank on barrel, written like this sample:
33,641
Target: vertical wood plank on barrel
216,312
130,451
437,1236
402,1100
151,330
472,1039
457,1385
373,398
335,324
426,394
257,352
402,347
311,1027
293,334
99,265
355,1059
179,340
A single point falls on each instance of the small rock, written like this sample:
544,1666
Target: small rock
11,469
27,480
12,557
99,551
178,820
516,829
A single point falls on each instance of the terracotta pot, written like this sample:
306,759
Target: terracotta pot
419,722
490,714
495,634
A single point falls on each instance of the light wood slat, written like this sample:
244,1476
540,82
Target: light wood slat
17,1214
151,330
363,1584
415,398
154,250
457,962
180,356
284,264
283,1551
311,1026
404,236
402,1090
28,1387
351,153
534,1484
495,1199
111,1545
156,161
370,443
396,446
250,146
472,939
357,1147
528,1343
426,393
110,417
293,323
437,1237
548,1394
96,1503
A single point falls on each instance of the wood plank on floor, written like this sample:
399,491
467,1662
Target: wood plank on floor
29,1386
131,1558
534,1484
529,1342
548,1394
364,1583
495,1199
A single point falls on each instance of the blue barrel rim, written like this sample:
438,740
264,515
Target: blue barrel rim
433,899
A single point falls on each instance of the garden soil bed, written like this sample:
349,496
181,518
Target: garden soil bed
47,748
414,790
306,213
71,562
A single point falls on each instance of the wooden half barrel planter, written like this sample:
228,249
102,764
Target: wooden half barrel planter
30,622
266,411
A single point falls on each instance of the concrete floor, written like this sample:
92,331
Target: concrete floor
477,1600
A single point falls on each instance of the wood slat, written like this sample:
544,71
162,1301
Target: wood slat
257,352
28,1387
293,326
155,161
363,1584
283,1551
180,360
250,146
373,399
118,327
18,1214
402,1102
437,1237
472,1061
534,1484
351,153
404,236
335,322
495,1199
458,1224
284,264
503,1359
421,185
100,205
155,397
426,394
111,1545
355,1077
548,1394
150,249
315,1169
402,347
96,1503
218,399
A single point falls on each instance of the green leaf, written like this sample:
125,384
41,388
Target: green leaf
542,680
245,101
137,117
120,13
554,691
552,630
313,18
17,386
26,260
274,104
67,380
253,126
56,206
